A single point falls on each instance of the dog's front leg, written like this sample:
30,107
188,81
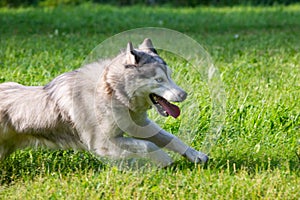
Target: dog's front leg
150,131
171,142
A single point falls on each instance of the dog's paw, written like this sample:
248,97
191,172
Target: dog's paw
196,156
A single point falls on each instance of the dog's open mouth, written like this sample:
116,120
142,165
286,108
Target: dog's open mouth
164,107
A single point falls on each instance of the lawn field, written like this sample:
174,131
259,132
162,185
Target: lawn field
257,51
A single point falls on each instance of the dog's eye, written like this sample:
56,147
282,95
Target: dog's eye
159,80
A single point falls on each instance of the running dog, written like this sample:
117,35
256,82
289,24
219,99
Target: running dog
101,107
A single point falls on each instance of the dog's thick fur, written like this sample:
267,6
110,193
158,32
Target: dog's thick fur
91,108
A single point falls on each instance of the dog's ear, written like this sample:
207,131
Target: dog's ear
132,57
148,45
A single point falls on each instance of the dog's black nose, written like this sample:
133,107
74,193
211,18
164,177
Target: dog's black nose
183,95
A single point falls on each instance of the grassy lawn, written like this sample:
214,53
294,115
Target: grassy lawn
257,50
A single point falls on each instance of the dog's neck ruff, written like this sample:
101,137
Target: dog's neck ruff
117,92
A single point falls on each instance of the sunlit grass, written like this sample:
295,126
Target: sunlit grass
257,52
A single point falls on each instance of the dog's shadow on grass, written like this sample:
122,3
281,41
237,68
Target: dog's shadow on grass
27,165
234,165
30,164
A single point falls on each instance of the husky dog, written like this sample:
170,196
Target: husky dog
93,107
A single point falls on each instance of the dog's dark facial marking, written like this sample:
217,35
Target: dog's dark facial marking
160,60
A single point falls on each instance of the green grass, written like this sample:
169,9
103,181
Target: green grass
257,155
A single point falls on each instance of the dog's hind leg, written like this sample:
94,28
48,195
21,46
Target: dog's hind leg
125,147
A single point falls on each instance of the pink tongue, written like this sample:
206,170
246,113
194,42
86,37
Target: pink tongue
171,109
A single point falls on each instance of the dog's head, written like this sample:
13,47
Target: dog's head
147,80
